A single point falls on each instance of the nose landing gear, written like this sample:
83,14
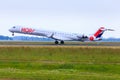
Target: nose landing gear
12,34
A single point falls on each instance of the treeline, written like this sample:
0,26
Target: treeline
28,38
24,38
5,38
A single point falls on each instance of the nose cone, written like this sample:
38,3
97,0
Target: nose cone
10,30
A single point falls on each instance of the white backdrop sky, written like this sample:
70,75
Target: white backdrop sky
77,16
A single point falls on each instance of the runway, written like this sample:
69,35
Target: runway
37,44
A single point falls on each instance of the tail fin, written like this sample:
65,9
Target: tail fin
98,34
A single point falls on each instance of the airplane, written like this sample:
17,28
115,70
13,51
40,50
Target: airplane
59,37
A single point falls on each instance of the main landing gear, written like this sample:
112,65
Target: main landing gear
57,42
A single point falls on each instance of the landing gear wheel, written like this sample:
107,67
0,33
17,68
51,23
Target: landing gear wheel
56,42
12,34
62,42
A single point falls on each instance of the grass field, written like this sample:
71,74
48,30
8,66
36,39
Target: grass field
59,63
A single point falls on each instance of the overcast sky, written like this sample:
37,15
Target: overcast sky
77,16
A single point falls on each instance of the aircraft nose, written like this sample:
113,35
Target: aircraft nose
10,30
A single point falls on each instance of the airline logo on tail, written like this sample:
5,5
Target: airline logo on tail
98,34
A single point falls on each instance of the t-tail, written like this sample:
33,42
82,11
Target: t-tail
97,36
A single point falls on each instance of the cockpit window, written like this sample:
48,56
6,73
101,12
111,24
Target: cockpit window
13,26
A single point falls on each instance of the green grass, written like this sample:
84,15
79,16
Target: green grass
60,63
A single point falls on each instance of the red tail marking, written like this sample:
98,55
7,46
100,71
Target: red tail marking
91,38
99,31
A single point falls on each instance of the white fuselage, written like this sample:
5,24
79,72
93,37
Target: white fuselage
47,33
